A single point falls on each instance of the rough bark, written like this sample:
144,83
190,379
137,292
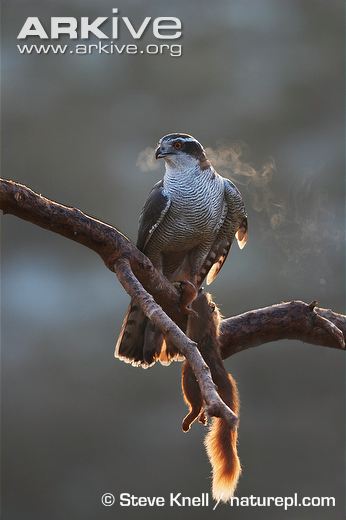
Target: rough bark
289,320
19,200
214,406
160,299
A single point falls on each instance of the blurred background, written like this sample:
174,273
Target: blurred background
261,84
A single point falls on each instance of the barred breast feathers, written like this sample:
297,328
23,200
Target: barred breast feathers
197,198
233,225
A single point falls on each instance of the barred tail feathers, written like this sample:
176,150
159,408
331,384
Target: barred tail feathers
129,346
140,343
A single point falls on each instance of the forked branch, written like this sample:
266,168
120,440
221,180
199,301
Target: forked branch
160,300
214,405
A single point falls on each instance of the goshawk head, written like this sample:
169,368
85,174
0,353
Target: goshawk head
178,149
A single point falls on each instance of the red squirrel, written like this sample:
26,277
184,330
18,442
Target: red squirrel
221,440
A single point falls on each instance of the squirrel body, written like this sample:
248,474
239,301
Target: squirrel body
221,439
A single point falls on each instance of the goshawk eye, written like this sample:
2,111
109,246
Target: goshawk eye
177,145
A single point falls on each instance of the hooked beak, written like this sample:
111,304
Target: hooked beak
160,154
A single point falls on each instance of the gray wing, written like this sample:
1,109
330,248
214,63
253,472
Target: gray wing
233,225
152,214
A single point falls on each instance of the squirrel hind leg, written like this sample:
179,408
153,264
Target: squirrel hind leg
190,418
192,396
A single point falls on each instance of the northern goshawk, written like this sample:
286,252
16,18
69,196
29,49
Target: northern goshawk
186,229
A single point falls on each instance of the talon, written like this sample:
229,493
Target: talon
188,293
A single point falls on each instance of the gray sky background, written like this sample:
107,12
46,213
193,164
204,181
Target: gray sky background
261,84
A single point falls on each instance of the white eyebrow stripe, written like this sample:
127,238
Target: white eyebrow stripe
185,139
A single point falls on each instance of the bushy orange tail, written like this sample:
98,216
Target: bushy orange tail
221,440
221,445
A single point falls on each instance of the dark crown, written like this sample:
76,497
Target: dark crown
190,145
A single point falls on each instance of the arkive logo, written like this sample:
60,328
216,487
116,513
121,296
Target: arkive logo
163,27
103,28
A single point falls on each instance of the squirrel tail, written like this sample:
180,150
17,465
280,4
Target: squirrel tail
221,445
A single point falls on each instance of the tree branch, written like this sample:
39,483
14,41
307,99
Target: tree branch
294,320
214,406
126,260
290,320
16,199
